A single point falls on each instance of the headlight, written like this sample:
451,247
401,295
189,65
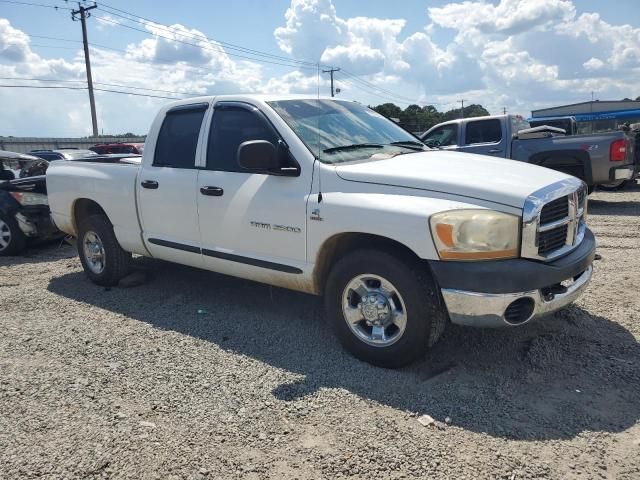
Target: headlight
475,234
29,198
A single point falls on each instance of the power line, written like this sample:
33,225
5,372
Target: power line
52,46
74,41
43,86
64,87
32,79
376,93
208,47
365,86
31,4
137,18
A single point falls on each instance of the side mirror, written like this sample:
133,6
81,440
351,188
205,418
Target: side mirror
262,156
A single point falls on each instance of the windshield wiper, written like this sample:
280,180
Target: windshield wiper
355,146
413,144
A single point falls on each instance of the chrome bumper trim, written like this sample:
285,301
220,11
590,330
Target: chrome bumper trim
487,309
623,173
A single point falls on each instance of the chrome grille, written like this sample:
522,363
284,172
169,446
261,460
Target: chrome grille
553,221
552,240
554,210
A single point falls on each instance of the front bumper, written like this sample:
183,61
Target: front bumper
505,293
510,309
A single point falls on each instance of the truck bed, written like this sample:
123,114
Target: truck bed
110,181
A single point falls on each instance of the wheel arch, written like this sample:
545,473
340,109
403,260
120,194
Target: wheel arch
82,208
339,245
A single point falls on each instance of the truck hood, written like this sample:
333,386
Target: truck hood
492,179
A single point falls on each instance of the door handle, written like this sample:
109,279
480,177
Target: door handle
152,184
494,150
212,191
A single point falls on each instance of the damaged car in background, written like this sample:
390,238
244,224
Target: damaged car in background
24,208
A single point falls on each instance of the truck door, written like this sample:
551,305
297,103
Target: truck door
167,188
485,137
253,223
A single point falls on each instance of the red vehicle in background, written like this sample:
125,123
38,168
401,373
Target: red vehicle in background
107,148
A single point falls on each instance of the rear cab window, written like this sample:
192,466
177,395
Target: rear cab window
178,137
483,131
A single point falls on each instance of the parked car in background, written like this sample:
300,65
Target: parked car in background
125,148
62,154
24,208
328,197
596,159
634,131
568,124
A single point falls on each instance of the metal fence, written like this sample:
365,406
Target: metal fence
26,144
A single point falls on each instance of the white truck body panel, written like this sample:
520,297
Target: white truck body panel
478,177
112,186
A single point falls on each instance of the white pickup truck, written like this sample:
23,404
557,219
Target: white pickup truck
327,197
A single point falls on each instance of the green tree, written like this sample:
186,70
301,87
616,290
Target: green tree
419,119
389,110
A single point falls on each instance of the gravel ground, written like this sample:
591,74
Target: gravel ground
196,375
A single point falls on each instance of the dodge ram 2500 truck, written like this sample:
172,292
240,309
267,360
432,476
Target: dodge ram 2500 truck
327,197
600,158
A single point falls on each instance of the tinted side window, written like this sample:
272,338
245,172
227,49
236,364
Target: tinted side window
483,131
49,156
230,127
443,136
178,139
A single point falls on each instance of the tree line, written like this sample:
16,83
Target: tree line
419,119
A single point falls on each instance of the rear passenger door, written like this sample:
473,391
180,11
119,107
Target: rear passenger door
485,137
167,188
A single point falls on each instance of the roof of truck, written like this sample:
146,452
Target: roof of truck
254,96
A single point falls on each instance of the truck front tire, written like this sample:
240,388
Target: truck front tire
103,259
384,309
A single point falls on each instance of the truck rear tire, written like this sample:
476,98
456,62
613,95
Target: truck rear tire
384,310
103,259
12,240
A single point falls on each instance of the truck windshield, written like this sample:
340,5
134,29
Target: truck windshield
339,131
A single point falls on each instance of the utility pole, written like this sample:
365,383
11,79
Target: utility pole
462,109
83,12
330,72
504,110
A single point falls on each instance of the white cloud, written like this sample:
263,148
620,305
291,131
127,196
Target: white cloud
310,26
593,64
508,16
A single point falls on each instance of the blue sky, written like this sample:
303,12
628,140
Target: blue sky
518,54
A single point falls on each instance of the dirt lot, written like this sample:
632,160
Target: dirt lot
196,375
